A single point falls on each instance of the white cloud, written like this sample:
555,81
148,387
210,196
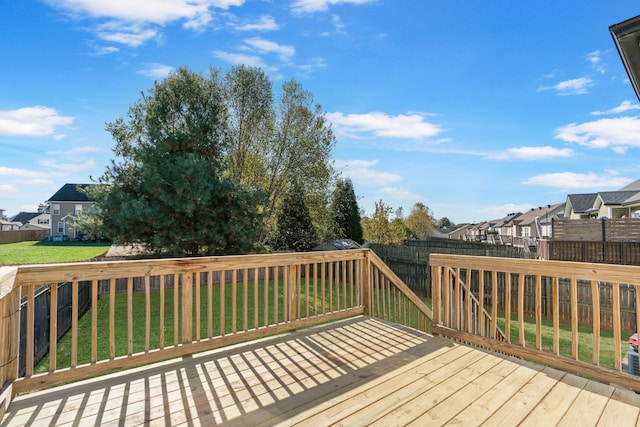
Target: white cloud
132,22
500,211
267,46
68,167
595,59
156,71
8,189
32,121
363,174
240,59
579,86
264,23
155,11
380,124
311,6
623,107
76,150
619,134
532,153
132,35
571,180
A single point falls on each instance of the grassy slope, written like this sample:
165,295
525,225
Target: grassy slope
47,252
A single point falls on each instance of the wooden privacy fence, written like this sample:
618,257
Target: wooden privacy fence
410,261
210,302
597,230
42,306
626,253
15,236
457,314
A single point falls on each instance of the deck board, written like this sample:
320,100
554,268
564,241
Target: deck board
361,371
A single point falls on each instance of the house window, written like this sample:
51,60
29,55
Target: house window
61,227
78,209
43,221
55,209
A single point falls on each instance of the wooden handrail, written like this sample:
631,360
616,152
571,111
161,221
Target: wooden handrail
176,307
566,274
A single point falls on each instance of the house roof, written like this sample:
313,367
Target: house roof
71,193
530,216
634,186
616,197
24,217
582,202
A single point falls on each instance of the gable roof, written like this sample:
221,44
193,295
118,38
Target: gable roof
530,216
634,186
24,217
71,193
616,197
582,203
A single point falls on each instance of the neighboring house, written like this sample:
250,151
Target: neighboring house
524,226
502,227
8,225
33,220
624,203
65,206
461,233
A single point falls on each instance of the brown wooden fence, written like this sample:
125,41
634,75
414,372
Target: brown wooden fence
597,230
15,236
626,253
411,260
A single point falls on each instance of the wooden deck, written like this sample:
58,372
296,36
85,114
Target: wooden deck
362,371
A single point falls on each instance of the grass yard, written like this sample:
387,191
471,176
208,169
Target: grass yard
40,252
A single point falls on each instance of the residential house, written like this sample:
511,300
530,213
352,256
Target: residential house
624,203
501,230
461,232
33,220
65,206
524,226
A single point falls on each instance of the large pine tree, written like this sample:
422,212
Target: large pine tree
167,189
295,231
345,213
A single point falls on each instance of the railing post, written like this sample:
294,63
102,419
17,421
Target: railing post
366,282
436,293
10,330
294,283
187,307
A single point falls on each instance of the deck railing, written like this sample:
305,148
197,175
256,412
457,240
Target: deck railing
481,301
149,310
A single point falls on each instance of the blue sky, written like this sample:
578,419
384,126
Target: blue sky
475,108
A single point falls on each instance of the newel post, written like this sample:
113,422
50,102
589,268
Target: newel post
436,293
10,333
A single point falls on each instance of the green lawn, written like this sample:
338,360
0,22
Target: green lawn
48,252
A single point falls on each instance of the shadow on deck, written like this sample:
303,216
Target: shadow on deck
362,371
